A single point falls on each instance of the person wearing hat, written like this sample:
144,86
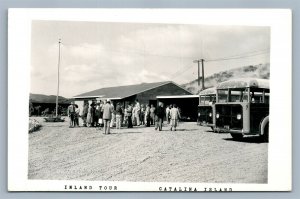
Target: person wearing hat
107,112
71,114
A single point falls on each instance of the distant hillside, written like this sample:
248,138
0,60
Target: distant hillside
259,71
39,98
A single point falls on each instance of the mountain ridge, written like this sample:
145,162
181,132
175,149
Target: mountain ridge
257,71
41,98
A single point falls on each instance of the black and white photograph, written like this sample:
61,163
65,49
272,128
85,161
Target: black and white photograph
172,105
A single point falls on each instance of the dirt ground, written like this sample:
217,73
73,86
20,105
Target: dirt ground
191,154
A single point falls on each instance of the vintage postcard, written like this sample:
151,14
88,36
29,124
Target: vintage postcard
189,100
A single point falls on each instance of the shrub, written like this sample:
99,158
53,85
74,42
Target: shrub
34,125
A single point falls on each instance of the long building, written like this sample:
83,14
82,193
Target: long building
146,93
167,92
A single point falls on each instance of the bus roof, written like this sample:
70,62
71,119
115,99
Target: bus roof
244,82
209,91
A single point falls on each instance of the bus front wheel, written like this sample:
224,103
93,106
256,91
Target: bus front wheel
265,136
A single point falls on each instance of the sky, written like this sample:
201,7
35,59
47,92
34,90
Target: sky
98,54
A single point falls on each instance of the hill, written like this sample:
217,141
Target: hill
39,98
258,71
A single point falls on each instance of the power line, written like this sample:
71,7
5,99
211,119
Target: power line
185,68
181,71
236,57
178,75
142,53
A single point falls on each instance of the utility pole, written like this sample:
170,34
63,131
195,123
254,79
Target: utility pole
202,63
198,61
59,43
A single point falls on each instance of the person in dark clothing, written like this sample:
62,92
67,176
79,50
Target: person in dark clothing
71,114
97,114
159,116
84,113
147,116
118,115
129,115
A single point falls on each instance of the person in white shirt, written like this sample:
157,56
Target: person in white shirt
137,112
168,114
175,116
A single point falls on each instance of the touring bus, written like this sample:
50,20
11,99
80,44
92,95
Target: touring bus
206,108
242,107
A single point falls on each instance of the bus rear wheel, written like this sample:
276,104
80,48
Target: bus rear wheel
236,136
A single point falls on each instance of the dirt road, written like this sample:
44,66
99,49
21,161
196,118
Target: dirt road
191,154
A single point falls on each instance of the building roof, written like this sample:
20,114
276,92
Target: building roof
121,92
176,96
244,82
209,91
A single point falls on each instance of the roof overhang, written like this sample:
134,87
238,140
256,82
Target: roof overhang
176,96
97,97
83,97
111,98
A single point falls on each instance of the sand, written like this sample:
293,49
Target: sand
190,154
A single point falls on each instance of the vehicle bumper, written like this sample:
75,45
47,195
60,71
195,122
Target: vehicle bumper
218,129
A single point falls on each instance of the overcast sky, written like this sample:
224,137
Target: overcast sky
97,54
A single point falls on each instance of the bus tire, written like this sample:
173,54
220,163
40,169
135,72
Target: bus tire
236,136
265,136
264,129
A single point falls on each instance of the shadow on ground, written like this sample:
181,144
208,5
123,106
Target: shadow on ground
124,133
250,139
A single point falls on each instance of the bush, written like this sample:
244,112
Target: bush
34,125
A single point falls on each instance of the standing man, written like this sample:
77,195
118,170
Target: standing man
137,112
129,114
147,115
71,114
152,114
175,116
168,114
107,112
85,112
142,115
159,116
77,115
118,115
113,116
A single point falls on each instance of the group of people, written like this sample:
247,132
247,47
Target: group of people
134,114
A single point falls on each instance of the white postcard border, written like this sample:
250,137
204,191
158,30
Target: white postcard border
280,144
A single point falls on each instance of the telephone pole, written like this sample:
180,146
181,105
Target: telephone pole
202,64
56,111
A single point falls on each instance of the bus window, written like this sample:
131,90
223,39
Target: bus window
213,99
222,95
239,95
257,96
202,99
